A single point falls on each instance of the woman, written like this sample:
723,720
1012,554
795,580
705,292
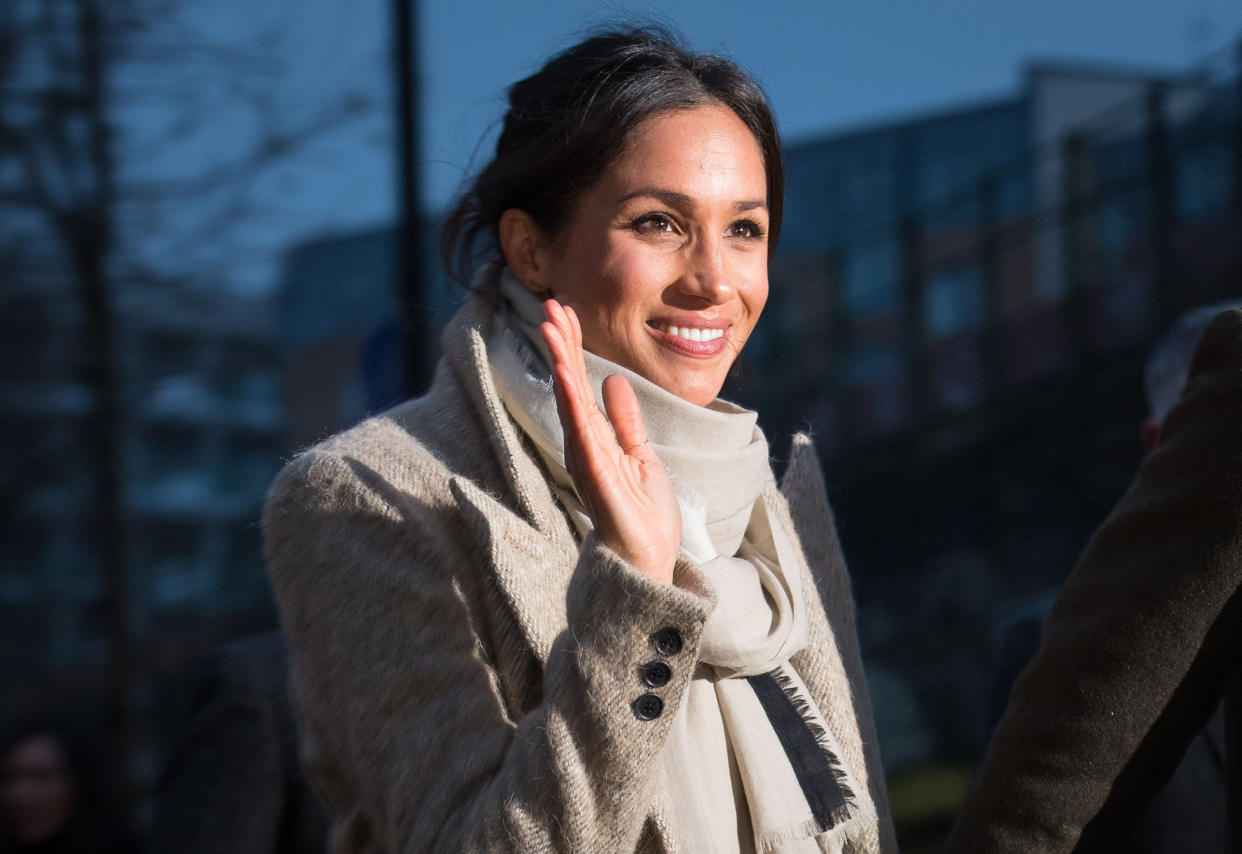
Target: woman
526,621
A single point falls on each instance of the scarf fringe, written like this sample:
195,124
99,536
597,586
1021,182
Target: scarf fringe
834,837
771,843
802,707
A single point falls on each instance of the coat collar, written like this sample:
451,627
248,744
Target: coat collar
465,346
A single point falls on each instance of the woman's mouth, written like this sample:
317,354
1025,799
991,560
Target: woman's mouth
691,340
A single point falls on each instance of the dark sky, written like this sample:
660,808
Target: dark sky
827,65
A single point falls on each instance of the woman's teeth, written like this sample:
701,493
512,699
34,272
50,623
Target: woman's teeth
691,333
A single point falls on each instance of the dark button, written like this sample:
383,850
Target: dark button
648,707
656,674
667,641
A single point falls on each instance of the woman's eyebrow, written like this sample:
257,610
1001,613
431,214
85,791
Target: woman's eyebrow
672,198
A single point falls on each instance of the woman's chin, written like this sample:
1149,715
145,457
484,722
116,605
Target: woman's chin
694,379
699,391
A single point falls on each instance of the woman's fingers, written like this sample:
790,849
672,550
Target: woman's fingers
586,430
624,413
573,334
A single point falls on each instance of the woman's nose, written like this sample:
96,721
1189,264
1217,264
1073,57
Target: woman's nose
706,274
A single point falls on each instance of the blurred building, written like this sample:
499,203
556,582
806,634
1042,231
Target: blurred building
961,305
202,431
907,240
203,444
342,349
337,306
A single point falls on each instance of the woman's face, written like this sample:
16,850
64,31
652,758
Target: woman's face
665,259
37,790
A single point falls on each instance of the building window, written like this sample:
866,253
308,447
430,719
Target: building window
247,468
1123,220
179,396
242,579
170,355
876,389
956,374
175,564
176,476
953,318
954,302
1203,184
870,282
249,393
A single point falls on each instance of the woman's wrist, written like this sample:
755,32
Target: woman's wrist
654,564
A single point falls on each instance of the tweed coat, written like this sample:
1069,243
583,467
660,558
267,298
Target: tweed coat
464,668
1138,649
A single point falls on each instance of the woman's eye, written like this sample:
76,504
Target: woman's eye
746,228
654,223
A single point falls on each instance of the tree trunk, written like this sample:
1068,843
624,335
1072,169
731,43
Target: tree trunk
91,236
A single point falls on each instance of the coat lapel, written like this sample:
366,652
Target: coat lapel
532,568
531,546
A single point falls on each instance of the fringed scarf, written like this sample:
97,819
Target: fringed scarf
748,753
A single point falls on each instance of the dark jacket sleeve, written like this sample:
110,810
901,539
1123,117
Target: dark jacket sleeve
227,785
1138,649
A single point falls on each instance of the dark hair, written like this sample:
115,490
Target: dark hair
570,120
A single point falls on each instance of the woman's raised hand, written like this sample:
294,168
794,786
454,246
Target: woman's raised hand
618,476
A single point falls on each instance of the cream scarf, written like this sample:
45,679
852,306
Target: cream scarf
750,756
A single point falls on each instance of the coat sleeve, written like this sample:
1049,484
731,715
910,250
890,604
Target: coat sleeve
1138,648
405,730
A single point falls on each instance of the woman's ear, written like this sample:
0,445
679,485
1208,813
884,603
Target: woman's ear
522,243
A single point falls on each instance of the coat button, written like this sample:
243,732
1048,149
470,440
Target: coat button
648,707
656,674
667,641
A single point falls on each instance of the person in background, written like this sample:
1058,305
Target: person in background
233,784
1140,647
1168,367
51,799
1188,814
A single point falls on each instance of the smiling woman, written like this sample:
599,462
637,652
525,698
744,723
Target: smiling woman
560,603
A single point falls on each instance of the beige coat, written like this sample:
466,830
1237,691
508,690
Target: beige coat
465,669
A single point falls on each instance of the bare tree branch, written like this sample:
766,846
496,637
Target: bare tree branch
212,56
273,147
